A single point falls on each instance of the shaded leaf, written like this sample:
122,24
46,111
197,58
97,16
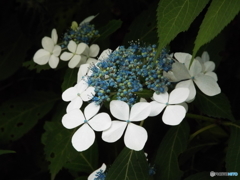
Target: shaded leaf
70,78
219,14
6,151
31,65
60,152
172,145
15,47
233,152
58,147
19,115
174,17
86,161
108,29
143,27
215,106
129,165
186,155
145,93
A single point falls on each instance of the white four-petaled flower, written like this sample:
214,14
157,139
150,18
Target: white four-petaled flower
50,52
174,111
135,136
181,72
207,65
80,54
77,94
84,137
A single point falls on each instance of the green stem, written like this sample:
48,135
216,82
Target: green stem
141,124
230,124
202,130
195,116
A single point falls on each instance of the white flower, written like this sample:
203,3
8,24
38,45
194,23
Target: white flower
207,65
84,137
77,94
205,83
84,69
50,52
79,54
98,174
88,19
135,136
173,114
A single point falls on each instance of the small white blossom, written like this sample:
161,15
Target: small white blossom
174,111
77,94
84,137
135,136
207,65
88,19
181,72
50,52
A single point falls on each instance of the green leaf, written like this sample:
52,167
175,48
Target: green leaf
174,17
173,144
233,151
6,151
86,161
31,65
60,152
191,151
70,78
214,48
143,27
19,115
14,46
215,106
219,14
58,148
145,93
108,29
205,176
129,165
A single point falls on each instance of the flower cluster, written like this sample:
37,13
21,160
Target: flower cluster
75,40
127,71
121,75
119,78
83,32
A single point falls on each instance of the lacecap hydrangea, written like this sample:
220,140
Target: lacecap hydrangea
128,71
83,32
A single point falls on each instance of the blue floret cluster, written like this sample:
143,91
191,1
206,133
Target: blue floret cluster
83,33
127,71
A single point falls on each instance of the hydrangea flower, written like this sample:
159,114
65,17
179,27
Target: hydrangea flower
127,71
174,113
83,32
207,65
84,137
188,77
80,54
98,174
84,69
135,136
77,94
50,52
